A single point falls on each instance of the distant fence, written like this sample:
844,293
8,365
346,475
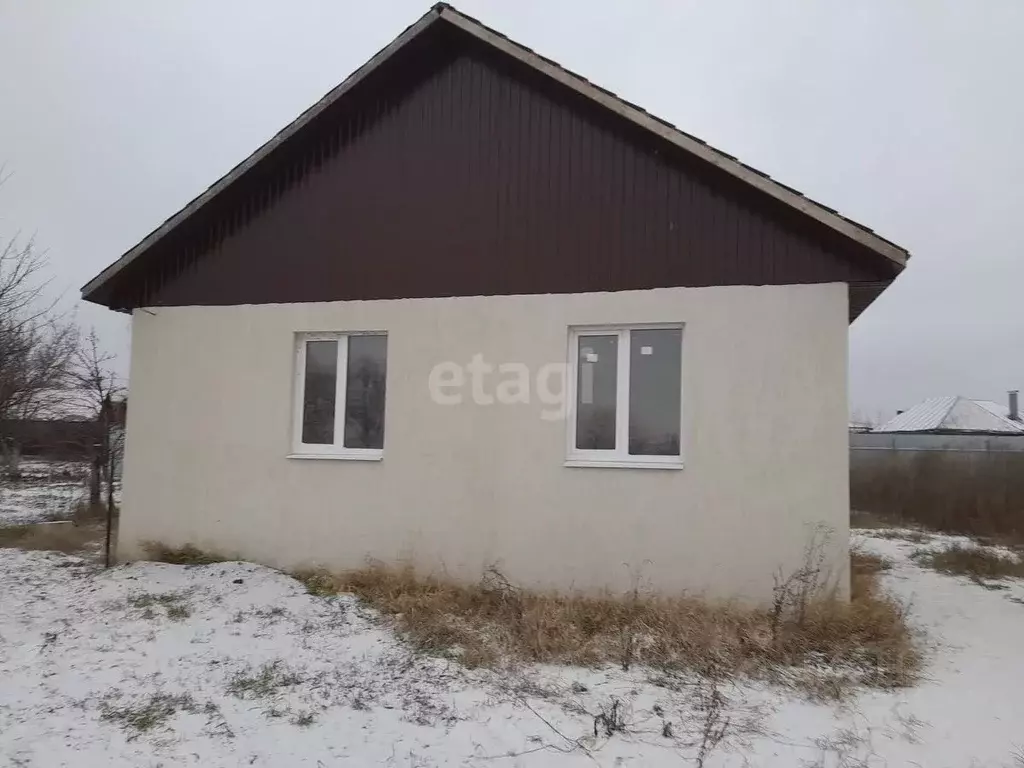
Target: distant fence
56,439
966,483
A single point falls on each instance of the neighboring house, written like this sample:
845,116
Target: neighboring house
470,309
75,437
953,415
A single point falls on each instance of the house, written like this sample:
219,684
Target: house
63,427
958,415
470,309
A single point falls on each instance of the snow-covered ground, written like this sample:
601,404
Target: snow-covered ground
46,490
234,664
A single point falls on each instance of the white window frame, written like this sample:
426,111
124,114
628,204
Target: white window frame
619,456
337,450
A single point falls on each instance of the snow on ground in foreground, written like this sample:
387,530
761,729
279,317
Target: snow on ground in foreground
260,673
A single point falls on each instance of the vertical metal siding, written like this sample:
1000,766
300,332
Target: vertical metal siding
481,179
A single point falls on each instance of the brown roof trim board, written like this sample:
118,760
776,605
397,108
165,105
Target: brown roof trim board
443,12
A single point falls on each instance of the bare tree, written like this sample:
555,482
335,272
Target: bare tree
37,343
101,395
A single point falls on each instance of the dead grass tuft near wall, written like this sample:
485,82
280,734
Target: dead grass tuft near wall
864,566
975,562
493,623
188,554
63,537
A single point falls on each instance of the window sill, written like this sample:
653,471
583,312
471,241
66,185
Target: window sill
624,464
338,456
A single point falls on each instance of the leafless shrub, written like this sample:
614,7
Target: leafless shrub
793,592
714,720
610,720
695,721
631,625
699,717
499,589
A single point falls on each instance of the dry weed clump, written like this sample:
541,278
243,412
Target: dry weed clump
865,563
493,623
975,562
187,554
63,537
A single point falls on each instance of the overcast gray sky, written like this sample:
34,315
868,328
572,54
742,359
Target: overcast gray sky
905,115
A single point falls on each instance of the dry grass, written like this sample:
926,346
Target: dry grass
864,566
975,562
883,527
903,534
493,623
84,512
148,714
65,537
184,555
979,494
870,520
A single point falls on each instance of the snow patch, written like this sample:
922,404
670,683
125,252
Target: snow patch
96,669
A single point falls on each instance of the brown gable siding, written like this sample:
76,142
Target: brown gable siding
482,179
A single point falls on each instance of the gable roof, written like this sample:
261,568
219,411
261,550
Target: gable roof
443,14
953,414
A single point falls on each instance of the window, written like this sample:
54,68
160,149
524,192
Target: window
339,392
626,391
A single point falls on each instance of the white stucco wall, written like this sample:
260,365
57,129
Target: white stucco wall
461,487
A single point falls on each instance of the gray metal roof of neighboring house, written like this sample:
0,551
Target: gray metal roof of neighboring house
953,414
